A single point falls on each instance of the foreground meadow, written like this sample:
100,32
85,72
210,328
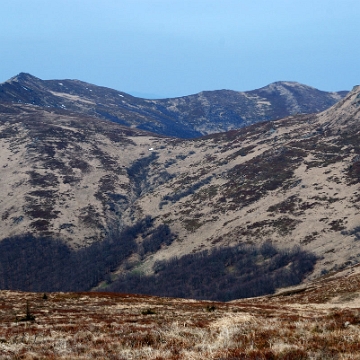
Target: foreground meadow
320,321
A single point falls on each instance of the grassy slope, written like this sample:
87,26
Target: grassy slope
294,181
317,322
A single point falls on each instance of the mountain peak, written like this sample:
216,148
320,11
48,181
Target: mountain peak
285,85
23,77
188,116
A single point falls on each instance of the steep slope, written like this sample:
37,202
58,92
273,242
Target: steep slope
186,117
87,99
64,175
223,110
292,181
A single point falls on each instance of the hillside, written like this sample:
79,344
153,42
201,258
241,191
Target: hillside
124,201
317,321
185,117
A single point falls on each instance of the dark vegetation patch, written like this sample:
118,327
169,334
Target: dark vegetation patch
283,225
234,138
43,131
242,152
351,140
40,205
169,162
43,264
8,109
40,225
161,236
354,232
107,162
5,215
162,177
337,225
72,180
44,194
324,153
222,274
353,172
42,180
106,185
117,202
287,206
193,224
325,198
47,150
80,164
57,164
309,238
116,137
9,132
323,160
250,181
138,173
189,191
42,211
292,205
61,144
90,217
206,194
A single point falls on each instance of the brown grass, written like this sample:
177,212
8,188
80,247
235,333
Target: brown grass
299,324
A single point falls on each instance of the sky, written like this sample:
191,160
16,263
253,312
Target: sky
169,48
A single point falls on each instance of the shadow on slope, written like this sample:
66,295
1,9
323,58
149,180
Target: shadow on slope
42,264
223,274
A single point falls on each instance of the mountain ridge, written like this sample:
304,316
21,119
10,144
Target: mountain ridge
186,117
85,180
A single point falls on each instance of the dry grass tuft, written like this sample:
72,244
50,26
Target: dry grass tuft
120,326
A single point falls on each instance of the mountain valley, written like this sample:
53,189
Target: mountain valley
75,177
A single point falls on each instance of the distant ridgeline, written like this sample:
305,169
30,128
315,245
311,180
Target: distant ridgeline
42,265
189,116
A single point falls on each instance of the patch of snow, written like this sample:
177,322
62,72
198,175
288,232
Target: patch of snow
264,102
61,84
292,84
121,95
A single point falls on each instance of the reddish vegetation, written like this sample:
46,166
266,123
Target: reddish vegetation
298,324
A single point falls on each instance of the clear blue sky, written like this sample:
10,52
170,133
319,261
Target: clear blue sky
180,47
